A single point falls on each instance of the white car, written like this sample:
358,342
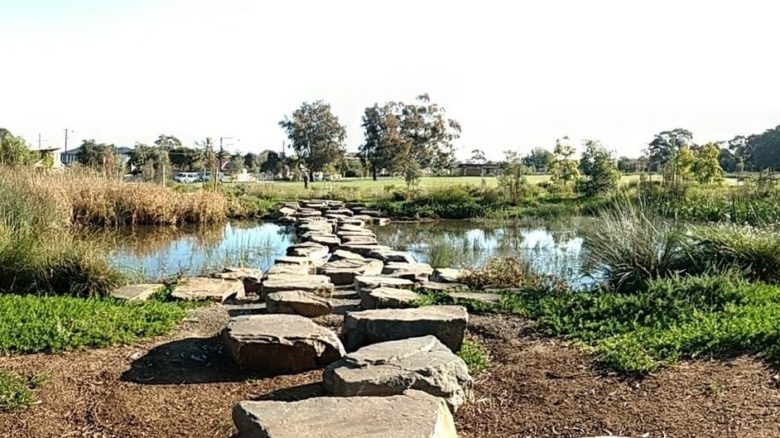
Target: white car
186,177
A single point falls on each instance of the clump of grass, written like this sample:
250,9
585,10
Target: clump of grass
673,319
753,251
634,246
33,324
500,272
475,355
16,392
442,253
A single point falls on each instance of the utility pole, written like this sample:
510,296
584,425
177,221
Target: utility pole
39,141
66,138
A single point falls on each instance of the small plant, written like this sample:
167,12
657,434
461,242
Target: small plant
475,355
16,392
500,272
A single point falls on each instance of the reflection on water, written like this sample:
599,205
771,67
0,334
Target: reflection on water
159,252
550,248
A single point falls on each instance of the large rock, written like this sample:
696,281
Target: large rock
359,240
329,240
280,344
320,227
364,283
298,260
387,298
362,233
235,273
352,221
448,323
413,414
203,288
316,284
392,367
308,249
447,275
344,271
297,303
363,250
391,256
409,271
351,227
287,269
483,297
137,292
340,254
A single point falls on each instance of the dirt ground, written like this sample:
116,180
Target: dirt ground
184,386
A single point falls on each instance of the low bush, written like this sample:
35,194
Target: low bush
33,324
475,356
500,272
16,392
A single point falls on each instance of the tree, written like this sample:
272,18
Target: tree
316,135
563,168
539,160
478,156
252,161
512,179
273,164
729,161
764,150
706,165
95,155
632,165
740,147
13,150
666,145
167,141
598,164
408,138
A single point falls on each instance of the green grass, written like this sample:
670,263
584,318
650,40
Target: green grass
33,324
475,356
16,392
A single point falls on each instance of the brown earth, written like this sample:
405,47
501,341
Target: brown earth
184,386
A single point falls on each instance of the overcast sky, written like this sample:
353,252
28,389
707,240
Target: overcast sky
515,74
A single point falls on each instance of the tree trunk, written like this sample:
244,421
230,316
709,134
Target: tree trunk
373,171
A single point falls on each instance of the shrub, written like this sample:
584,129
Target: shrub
475,356
753,251
500,272
15,392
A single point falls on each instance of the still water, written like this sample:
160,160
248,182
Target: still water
550,248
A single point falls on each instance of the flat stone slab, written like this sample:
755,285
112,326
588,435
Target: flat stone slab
392,367
316,284
447,323
364,283
289,269
350,227
204,288
409,271
446,275
280,344
341,254
363,250
413,414
487,298
352,221
298,260
344,271
391,256
435,286
137,292
329,240
359,240
364,233
308,249
235,273
388,298
297,303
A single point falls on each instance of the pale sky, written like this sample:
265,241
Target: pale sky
516,74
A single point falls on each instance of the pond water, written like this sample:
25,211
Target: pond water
550,248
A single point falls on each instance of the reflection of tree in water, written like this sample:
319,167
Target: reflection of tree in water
148,241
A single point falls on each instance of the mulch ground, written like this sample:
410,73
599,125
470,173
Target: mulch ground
184,386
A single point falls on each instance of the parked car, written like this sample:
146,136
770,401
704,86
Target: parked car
206,177
186,177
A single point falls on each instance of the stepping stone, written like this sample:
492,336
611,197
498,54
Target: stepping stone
137,292
355,228
392,256
413,414
308,213
487,298
339,211
409,271
354,205
340,254
204,288
329,240
294,205
363,250
393,367
372,213
232,273
381,221
286,211
447,275
352,221
448,323
366,232
435,286
297,303
280,344
336,216
287,269
314,228
364,283
318,204
359,240
388,298
286,220
308,249
316,284
298,260
344,271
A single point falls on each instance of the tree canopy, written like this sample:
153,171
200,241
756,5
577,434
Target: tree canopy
315,135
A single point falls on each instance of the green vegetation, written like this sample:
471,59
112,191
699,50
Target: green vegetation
475,356
34,324
16,392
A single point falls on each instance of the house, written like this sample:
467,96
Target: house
72,156
488,168
47,158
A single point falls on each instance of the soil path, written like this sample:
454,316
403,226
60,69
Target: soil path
184,386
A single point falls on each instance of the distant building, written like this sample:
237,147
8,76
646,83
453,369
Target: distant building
47,157
479,169
72,156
